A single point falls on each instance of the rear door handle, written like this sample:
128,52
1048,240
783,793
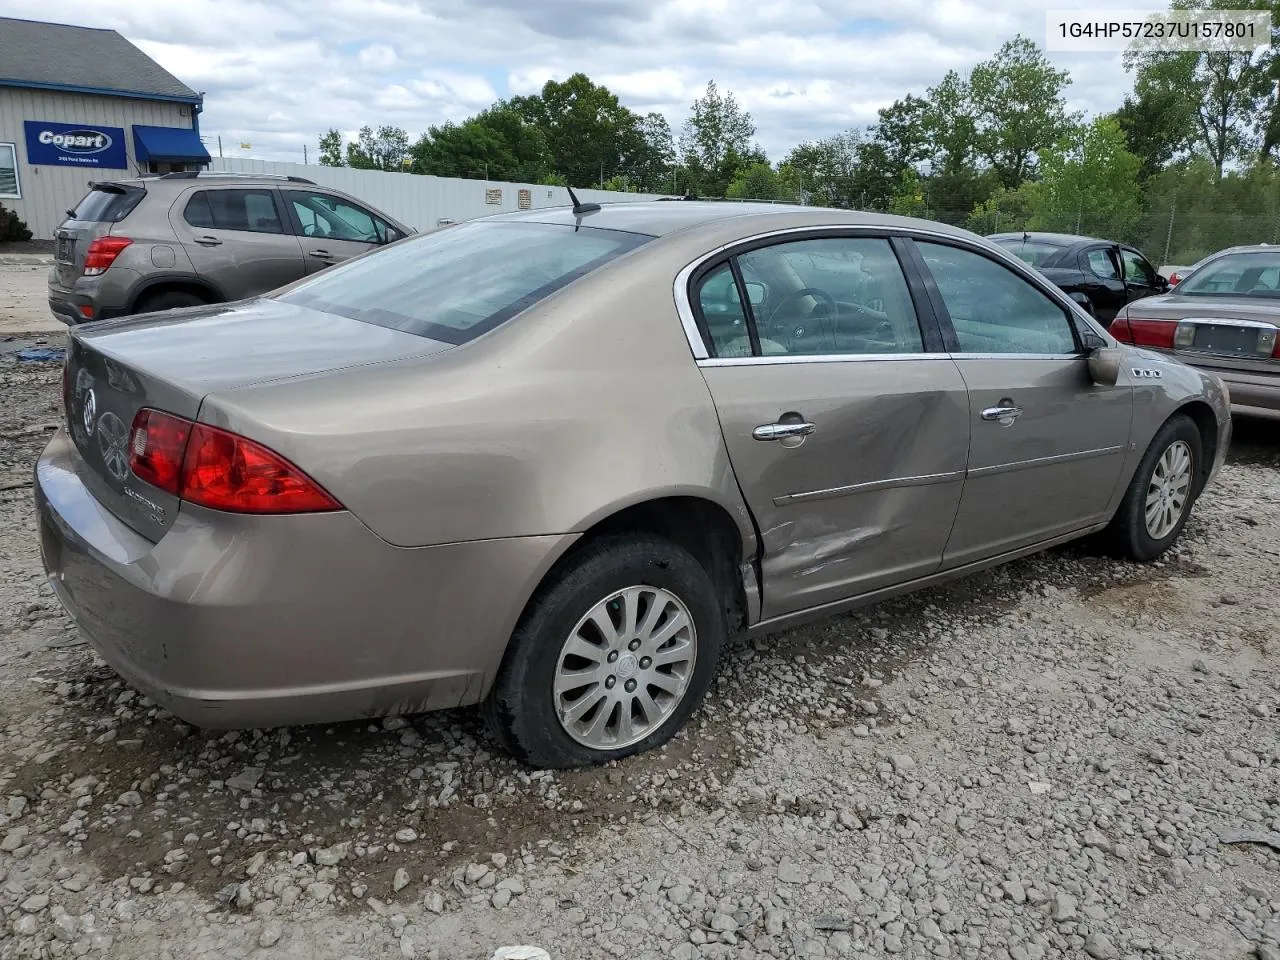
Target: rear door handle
1004,413
208,241
322,254
781,431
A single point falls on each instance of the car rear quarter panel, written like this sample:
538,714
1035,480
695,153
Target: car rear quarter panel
584,405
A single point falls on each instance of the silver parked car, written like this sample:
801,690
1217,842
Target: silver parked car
550,461
184,239
1223,316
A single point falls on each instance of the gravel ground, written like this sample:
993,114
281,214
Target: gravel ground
24,293
1065,757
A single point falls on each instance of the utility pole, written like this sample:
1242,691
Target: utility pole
1168,237
219,146
304,154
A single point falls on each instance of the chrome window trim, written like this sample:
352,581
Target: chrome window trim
818,358
684,307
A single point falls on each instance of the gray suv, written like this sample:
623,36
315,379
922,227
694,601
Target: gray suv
183,239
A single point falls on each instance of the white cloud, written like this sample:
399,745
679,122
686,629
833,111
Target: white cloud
278,73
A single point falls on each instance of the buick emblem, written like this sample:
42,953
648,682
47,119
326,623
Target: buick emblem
90,411
113,438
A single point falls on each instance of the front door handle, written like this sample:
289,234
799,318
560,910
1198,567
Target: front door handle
782,431
322,254
208,241
1004,413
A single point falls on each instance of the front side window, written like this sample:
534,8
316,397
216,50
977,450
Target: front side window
992,309
817,297
9,172
253,211
323,216
1101,264
1137,270
453,285
1236,274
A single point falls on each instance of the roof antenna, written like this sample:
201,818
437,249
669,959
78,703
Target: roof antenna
580,208
1025,236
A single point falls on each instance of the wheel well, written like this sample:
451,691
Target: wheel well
703,528
1202,415
193,287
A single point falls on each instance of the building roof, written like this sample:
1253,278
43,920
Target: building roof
58,56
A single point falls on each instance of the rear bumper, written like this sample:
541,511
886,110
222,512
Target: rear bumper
105,296
233,622
1252,394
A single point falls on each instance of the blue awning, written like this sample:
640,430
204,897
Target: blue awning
174,144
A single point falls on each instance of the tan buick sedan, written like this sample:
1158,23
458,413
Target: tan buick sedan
550,462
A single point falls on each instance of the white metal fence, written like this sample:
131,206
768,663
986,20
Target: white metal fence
424,202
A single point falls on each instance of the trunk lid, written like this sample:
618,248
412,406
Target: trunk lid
170,361
105,205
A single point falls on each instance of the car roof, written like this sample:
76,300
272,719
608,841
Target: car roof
1240,248
658,218
1060,239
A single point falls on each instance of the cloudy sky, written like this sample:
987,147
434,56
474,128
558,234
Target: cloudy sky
277,73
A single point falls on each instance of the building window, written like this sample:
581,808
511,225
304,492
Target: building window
9,172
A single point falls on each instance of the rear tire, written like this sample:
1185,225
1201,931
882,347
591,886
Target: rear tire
548,704
169,300
1158,502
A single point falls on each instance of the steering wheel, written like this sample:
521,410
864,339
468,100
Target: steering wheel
797,331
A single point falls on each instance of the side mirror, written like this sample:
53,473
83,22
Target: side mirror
1084,302
755,293
1162,283
1104,366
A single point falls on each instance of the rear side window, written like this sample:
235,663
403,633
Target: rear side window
253,211
1033,252
453,285
107,204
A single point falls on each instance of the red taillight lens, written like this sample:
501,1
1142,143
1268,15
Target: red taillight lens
219,469
157,444
1145,333
1175,279
102,254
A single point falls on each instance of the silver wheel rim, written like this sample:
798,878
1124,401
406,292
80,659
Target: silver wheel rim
625,668
1168,490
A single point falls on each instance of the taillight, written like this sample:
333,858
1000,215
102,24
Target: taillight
219,469
102,254
1144,333
1175,279
157,444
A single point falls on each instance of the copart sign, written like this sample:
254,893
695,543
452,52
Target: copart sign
75,145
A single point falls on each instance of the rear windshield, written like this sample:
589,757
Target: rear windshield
1034,252
107,204
1236,274
459,282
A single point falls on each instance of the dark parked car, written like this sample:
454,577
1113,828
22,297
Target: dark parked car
1108,275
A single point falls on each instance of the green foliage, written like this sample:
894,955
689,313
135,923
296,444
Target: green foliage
331,152
387,148
1089,184
497,144
13,229
759,181
827,172
1004,211
716,143
553,180
908,197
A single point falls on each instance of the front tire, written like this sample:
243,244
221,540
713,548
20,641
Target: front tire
1158,502
612,656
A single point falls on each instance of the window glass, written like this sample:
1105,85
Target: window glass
453,285
248,210
993,310
1136,269
833,295
1101,264
324,216
9,171
107,203
1034,252
723,314
1238,274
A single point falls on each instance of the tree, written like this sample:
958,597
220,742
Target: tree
716,142
826,171
1157,126
1004,211
655,155
759,181
496,144
904,131
908,198
1089,183
1018,108
385,149
589,134
331,149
